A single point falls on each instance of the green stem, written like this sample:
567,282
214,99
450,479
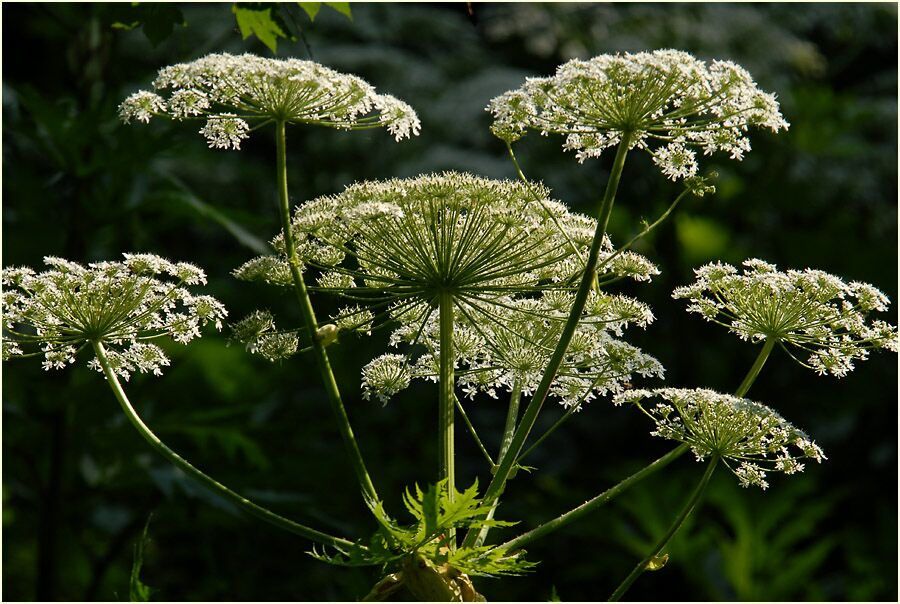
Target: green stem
646,230
507,462
462,413
447,399
689,506
589,506
565,416
511,416
309,317
757,367
216,487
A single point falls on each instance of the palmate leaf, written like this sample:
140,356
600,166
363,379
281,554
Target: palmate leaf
312,8
488,561
435,513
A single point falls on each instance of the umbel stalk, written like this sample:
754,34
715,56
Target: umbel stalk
507,461
309,317
689,506
216,487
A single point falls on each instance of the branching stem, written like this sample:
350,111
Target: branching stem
683,515
507,462
592,504
216,487
757,367
309,318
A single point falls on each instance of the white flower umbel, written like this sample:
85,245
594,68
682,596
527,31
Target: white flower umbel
385,376
809,309
400,243
122,305
506,347
750,438
446,246
239,93
258,334
665,101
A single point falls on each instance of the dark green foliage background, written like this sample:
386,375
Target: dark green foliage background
79,484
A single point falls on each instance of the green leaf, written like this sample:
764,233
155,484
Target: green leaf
259,23
341,7
137,590
431,509
311,9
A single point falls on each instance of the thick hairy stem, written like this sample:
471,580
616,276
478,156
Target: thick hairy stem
309,317
689,506
507,462
589,506
447,399
216,487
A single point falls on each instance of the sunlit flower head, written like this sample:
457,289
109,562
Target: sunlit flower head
396,246
123,305
811,310
666,101
238,93
750,438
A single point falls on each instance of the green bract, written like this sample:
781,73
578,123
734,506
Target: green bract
231,92
737,430
809,309
667,102
120,304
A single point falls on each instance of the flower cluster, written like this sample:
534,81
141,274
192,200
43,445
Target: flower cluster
258,334
508,347
121,304
739,431
810,310
666,102
229,91
400,243
396,247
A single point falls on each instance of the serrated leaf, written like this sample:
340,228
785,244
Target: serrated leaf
489,561
431,504
341,7
311,9
258,23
